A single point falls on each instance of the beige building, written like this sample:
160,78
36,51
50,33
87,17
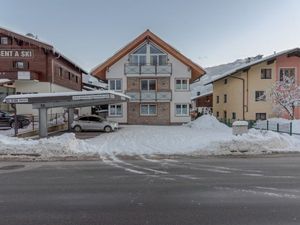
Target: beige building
244,93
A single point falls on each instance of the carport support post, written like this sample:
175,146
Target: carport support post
70,118
43,122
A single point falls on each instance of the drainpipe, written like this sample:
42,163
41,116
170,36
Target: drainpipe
243,80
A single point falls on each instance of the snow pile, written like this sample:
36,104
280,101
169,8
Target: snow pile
257,142
208,122
63,145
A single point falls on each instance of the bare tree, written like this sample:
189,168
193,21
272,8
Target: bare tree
285,94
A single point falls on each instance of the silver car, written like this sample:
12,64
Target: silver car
84,123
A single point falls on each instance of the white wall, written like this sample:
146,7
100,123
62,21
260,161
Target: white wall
30,86
179,70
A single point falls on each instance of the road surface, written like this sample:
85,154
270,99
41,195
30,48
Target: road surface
185,190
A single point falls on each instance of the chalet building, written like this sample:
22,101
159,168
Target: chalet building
243,93
32,66
156,76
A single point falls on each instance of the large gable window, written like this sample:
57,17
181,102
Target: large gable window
148,54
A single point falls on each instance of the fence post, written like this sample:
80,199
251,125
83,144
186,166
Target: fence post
267,124
291,128
32,121
277,127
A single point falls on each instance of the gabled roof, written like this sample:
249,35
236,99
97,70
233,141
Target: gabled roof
38,43
100,70
270,58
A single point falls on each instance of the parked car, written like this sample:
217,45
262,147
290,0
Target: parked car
8,120
85,123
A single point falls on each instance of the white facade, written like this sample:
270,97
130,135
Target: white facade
179,71
32,86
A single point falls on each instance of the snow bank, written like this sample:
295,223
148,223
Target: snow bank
204,136
63,145
208,122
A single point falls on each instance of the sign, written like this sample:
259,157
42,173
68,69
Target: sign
23,75
90,97
16,53
16,100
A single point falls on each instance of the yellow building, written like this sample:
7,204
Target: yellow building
243,93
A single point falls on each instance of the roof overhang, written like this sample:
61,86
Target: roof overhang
67,99
100,70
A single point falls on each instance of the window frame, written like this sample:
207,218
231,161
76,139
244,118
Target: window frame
284,68
17,66
233,116
181,109
256,116
116,111
218,99
4,38
148,85
264,76
115,84
182,89
257,98
225,98
148,110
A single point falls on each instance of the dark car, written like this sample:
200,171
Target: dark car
8,120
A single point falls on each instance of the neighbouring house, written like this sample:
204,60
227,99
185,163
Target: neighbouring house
33,66
156,76
243,93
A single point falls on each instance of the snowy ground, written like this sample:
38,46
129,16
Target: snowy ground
205,136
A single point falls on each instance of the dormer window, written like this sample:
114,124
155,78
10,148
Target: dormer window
148,54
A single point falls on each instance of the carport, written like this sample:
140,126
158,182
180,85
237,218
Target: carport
69,100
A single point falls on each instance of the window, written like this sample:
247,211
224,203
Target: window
218,114
4,41
19,65
148,85
225,98
115,110
225,115
225,81
181,110
260,96
286,73
69,75
266,73
76,79
233,115
181,84
148,110
198,93
261,116
155,55
60,71
218,99
115,85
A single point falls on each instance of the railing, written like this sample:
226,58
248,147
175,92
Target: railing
150,95
147,69
280,127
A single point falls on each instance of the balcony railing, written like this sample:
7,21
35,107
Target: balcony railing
150,95
147,69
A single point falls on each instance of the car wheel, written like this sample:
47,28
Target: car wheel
107,129
77,129
12,125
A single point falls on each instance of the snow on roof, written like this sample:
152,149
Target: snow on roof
61,94
244,66
3,81
203,89
91,80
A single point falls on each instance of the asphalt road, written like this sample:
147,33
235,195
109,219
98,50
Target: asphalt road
208,191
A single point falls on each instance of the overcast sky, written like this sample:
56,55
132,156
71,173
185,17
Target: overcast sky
208,32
